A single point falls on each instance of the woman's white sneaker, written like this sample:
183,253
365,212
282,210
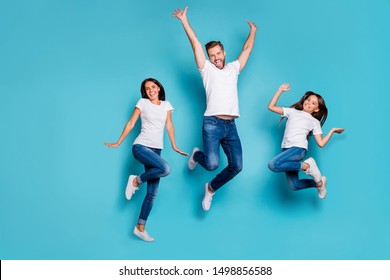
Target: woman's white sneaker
144,235
130,189
313,170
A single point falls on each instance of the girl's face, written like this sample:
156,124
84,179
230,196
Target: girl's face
310,105
152,91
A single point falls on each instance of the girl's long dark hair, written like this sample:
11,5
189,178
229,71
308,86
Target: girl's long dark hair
161,94
322,113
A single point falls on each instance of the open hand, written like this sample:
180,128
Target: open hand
180,14
284,87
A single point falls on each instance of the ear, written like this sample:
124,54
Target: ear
317,110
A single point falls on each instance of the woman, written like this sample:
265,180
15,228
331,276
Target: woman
155,113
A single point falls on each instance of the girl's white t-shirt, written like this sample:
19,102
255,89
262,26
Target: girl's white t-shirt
153,119
221,89
299,125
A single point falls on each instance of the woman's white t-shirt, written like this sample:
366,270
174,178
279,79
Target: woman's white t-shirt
153,118
298,126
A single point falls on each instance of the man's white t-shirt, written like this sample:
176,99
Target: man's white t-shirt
298,126
221,89
153,119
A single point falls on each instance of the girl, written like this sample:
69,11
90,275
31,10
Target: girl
304,118
155,113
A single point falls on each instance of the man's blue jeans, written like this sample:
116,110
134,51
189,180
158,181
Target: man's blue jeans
219,132
289,161
155,168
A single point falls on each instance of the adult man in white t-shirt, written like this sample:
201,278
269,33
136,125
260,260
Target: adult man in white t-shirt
219,129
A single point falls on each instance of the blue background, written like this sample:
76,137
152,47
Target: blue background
70,73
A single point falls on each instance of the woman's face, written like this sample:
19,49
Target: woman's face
152,90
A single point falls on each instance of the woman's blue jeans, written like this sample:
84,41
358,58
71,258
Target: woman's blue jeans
155,168
289,161
219,132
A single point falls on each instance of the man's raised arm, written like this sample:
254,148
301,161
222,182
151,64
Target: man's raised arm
248,45
200,57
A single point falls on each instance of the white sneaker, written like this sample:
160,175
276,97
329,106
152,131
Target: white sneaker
313,170
144,235
208,197
322,190
191,160
130,189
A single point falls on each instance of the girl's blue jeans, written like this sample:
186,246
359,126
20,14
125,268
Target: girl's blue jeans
219,132
289,161
155,168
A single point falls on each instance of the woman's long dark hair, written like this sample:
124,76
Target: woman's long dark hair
322,113
161,94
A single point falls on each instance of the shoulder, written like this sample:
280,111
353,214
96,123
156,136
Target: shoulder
142,102
167,105
234,64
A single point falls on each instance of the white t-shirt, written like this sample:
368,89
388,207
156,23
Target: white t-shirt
298,126
153,119
221,89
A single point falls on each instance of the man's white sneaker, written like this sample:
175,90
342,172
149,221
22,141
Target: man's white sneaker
130,189
322,190
313,170
208,197
191,160
144,235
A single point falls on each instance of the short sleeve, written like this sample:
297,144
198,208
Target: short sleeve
317,128
207,65
286,112
168,106
140,104
236,66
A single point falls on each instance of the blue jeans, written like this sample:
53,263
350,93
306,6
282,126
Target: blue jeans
289,161
219,132
155,168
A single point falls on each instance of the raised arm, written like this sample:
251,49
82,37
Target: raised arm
126,130
322,141
171,133
200,57
248,45
272,104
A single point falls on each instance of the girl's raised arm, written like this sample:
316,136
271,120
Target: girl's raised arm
272,104
322,141
128,127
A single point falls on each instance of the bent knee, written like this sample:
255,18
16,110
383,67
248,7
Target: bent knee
165,170
212,165
293,186
271,165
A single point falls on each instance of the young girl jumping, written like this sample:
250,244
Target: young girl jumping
155,113
303,118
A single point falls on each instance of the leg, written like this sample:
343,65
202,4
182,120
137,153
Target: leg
297,184
147,205
288,160
212,134
157,166
231,145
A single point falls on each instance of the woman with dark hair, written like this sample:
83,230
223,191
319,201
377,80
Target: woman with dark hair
303,119
155,113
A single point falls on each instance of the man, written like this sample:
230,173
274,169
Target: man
219,129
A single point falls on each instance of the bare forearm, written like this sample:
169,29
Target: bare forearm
171,134
322,141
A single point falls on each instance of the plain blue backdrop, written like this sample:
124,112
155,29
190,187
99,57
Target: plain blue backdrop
70,73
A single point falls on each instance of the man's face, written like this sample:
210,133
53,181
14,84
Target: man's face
217,56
